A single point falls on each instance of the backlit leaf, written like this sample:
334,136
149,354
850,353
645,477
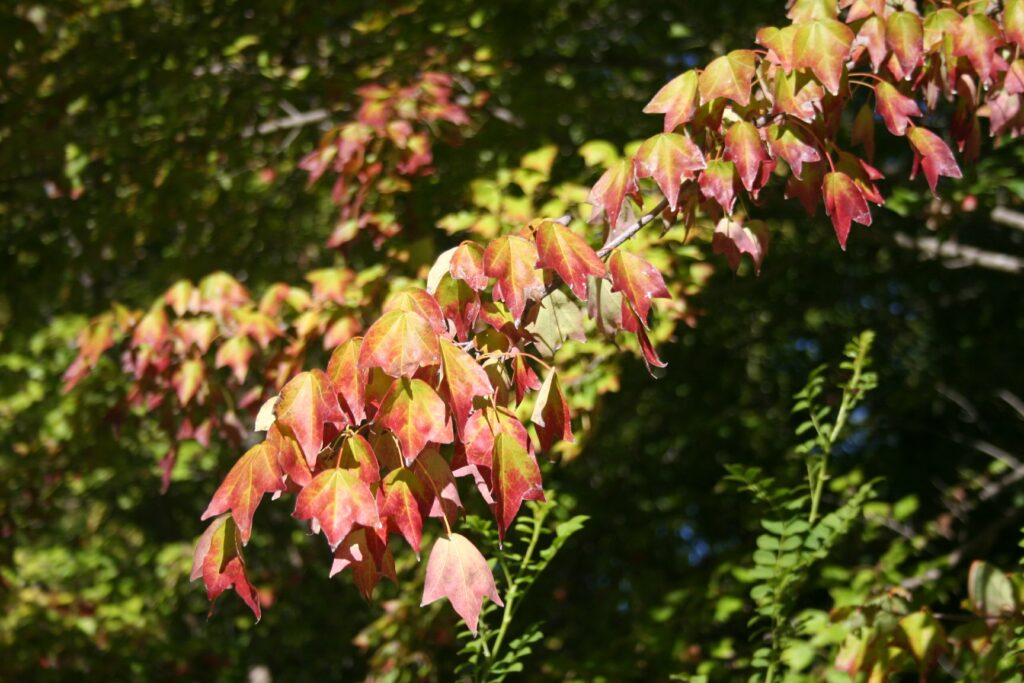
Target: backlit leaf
456,570
337,499
218,561
844,203
744,148
349,379
638,281
307,402
894,107
677,100
551,416
399,343
905,35
563,251
933,155
729,76
417,300
669,158
734,238
823,47
515,477
256,473
512,260
611,190
463,381
415,414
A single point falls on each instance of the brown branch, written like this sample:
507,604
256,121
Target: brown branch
626,234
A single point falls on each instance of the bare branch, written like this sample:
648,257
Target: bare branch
960,254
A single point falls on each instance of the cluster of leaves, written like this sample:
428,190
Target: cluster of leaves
452,363
388,142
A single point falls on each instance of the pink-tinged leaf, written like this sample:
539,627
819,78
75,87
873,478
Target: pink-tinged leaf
905,36
651,359
744,148
823,47
357,454
436,475
460,304
468,265
669,158
734,238
399,343
257,326
218,561
337,499
349,379
811,10
638,280
719,181
729,76
807,186
872,37
199,331
1014,81
798,95
417,300
369,558
405,501
523,377
563,251
844,203
182,297
677,100
788,143
307,402
481,429
463,381
859,9
416,415
289,456
188,379
934,156
456,570
863,130
779,43
977,38
512,260
515,477
256,473
1013,21
236,353
611,190
894,107
551,417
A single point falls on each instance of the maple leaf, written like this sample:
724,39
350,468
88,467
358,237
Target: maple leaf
905,36
399,343
357,454
349,379
188,379
743,147
894,107
798,95
217,559
289,456
460,304
780,45
415,414
734,238
611,190
256,473
404,503
369,558
604,306
515,477
468,265
669,158
977,38
859,9
933,155
563,251
307,402
872,37
464,380
417,300
523,377
551,416
823,46
638,281
844,203
512,260
807,187
788,144
677,100
456,570
1013,21
720,182
337,499
555,321
437,478
729,76
481,429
